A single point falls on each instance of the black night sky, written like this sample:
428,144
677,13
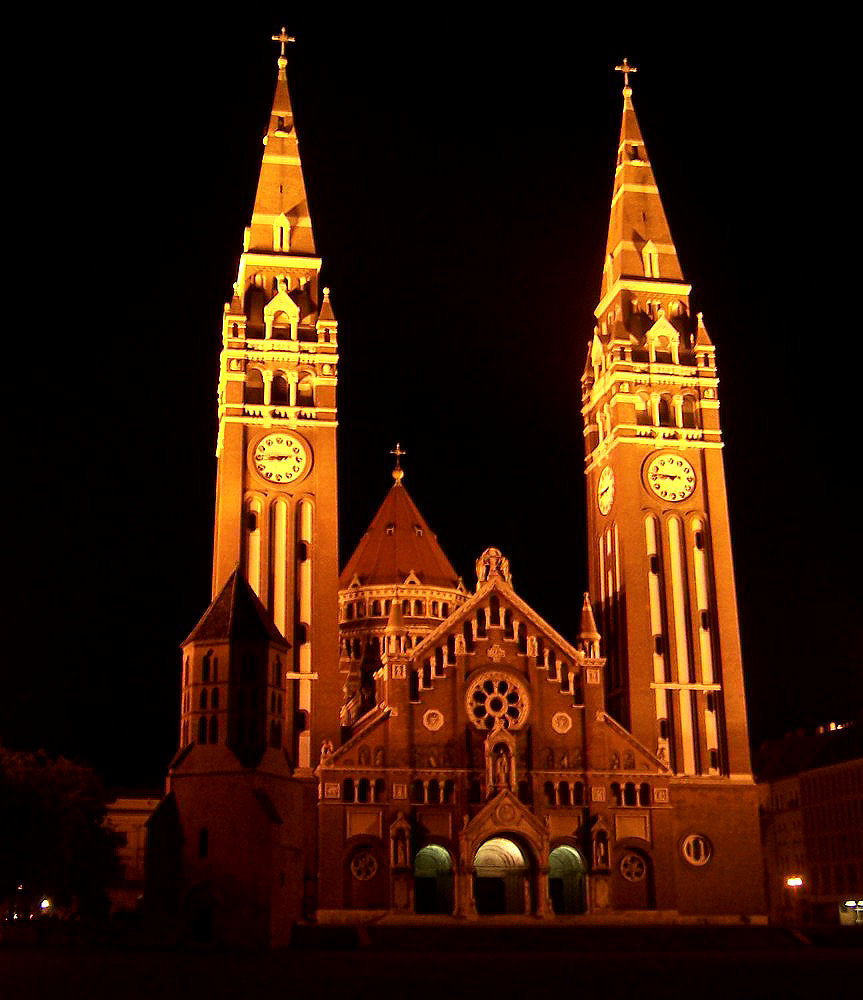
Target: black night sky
459,174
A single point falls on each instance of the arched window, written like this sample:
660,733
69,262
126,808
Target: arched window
565,799
642,410
279,391
348,790
548,791
380,792
578,797
644,794
305,391
203,698
616,797
253,388
690,412
494,611
205,667
480,622
434,792
448,791
507,625
202,729
363,790
666,418
214,729
650,259
417,792
629,796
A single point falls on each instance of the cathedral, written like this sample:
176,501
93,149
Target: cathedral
392,740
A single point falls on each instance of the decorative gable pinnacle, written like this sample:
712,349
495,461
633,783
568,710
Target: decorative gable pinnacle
492,564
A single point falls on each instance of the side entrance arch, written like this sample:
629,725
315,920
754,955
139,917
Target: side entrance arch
503,879
566,880
433,880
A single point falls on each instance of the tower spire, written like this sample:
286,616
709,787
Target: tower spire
280,219
640,255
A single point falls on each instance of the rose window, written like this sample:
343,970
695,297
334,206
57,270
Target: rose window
632,867
497,699
364,866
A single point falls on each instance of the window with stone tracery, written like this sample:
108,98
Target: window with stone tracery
498,698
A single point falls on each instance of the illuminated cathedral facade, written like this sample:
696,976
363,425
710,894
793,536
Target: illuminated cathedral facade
390,740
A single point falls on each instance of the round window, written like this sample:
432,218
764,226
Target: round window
364,866
696,849
495,698
632,867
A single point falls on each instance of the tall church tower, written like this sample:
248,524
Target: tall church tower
276,493
661,575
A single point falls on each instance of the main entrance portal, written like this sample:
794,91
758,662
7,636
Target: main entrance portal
501,878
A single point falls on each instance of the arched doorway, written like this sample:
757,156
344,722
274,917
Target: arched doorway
566,880
501,878
633,880
433,880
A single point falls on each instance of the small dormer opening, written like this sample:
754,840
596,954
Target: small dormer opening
390,529
418,531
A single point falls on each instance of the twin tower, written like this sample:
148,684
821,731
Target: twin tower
388,740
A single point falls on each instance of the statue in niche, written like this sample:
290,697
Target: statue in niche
432,761
564,759
576,757
629,760
401,850
379,756
614,763
363,756
600,850
549,760
502,767
326,750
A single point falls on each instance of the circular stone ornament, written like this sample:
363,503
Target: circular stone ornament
433,720
633,868
561,722
364,866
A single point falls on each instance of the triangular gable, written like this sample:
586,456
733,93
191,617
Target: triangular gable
623,734
504,813
336,758
507,596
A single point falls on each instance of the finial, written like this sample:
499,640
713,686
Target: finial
624,68
283,38
398,472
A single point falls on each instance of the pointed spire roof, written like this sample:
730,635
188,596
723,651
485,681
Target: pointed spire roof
588,628
236,613
639,244
397,543
281,188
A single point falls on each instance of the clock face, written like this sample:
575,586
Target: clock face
605,490
281,457
670,477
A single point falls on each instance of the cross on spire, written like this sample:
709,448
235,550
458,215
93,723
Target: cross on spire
624,68
398,472
283,37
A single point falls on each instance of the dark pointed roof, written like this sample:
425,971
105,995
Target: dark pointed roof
236,613
397,543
